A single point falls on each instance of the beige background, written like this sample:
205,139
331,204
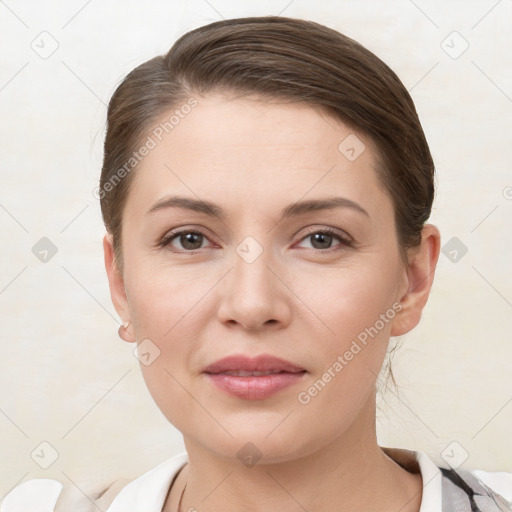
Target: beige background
65,377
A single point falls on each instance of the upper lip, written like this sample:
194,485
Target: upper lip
252,364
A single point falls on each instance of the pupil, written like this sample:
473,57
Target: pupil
322,237
188,240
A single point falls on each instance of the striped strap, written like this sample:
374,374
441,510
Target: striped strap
463,492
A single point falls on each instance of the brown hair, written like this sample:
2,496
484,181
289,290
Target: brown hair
282,58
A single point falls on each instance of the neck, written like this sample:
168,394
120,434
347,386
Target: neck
350,473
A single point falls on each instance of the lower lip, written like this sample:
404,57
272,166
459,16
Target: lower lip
255,387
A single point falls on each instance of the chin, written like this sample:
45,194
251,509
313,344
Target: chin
257,437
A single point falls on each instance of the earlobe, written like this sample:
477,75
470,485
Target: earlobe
117,289
125,332
420,271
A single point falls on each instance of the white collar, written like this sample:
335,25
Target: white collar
147,493
417,461
432,499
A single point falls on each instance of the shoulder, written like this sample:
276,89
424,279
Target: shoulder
97,498
122,494
51,495
461,490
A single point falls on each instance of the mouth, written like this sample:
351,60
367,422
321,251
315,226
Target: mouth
253,378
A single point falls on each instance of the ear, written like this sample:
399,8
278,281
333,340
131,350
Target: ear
117,289
420,271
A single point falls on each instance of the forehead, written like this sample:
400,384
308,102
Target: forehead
256,150
255,124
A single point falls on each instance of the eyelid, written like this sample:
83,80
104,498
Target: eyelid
174,233
345,241
332,231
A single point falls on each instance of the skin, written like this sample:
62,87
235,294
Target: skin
302,299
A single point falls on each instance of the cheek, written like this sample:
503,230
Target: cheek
164,308
354,312
167,308
358,312
163,300
346,301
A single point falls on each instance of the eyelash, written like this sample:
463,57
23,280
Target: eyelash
345,241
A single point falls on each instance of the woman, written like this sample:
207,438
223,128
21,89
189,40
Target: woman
265,189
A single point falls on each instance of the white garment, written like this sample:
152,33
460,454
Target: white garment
147,493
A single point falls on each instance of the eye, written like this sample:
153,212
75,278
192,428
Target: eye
190,240
322,239
193,240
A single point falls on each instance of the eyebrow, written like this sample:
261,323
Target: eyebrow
294,209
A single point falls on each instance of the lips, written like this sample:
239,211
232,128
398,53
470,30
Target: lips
263,363
243,373
253,378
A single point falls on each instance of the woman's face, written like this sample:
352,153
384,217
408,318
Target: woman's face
261,277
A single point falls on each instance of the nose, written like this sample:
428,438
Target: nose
254,295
